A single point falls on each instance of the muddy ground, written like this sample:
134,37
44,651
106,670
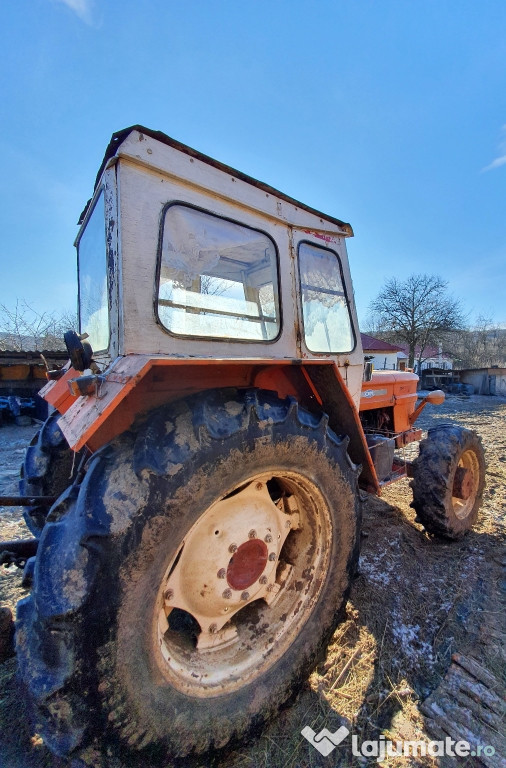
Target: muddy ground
415,602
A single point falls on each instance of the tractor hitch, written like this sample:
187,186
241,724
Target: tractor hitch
18,549
26,501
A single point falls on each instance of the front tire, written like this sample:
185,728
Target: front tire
448,481
145,653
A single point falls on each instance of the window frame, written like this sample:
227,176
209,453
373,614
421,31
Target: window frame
345,293
215,339
99,192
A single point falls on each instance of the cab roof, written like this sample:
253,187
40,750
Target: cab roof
119,137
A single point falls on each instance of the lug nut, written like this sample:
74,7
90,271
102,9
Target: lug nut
259,486
221,573
227,594
272,556
252,534
213,628
245,596
263,579
268,538
232,548
169,594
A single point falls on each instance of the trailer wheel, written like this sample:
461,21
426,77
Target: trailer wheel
448,481
204,567
46,470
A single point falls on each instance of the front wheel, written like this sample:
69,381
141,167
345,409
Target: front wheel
216,548
448,481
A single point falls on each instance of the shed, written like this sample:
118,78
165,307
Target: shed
486,381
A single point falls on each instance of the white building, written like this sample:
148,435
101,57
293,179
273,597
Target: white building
384,356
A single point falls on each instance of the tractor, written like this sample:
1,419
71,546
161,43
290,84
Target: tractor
196,491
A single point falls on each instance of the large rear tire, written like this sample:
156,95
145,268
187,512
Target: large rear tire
448,481
228,504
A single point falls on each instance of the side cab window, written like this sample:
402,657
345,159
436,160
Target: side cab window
325,311
92,269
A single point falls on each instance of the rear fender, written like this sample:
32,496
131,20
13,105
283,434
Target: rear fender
136,384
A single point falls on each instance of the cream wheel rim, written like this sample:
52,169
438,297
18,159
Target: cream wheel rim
242,584
468,462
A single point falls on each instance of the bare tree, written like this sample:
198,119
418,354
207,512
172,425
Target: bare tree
418,311
24,328
481,346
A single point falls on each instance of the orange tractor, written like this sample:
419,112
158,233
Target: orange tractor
211,432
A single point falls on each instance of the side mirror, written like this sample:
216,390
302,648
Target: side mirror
434,398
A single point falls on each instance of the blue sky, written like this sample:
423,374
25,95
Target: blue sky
389,114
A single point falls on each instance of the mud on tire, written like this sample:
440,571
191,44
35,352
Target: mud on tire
46,470
446,450
89,640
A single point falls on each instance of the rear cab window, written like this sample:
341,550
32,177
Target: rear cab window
217,278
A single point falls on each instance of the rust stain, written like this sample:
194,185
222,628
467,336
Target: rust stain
320,236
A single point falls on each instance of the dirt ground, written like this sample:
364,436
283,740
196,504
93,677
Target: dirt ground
415,602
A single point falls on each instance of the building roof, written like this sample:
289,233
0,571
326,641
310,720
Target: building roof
427,352
370,344
492,370
11,356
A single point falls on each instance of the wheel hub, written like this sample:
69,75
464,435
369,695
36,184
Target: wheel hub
463,483
247,564
231,558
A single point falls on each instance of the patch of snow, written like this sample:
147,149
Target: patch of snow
407,636
378,567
